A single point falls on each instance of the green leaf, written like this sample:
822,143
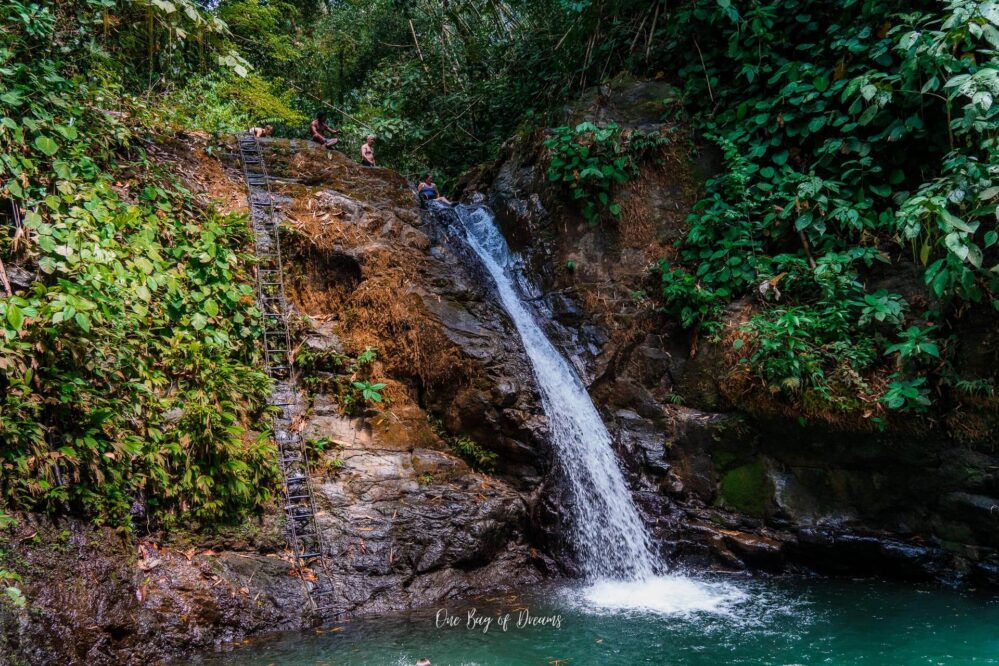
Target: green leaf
955,243
144,265
82,321
14,316
957,223
46,145
68,132
62,169
975,255
15,597
988,193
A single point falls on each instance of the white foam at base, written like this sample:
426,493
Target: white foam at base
663,595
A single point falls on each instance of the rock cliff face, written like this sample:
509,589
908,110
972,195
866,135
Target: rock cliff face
94,597
408,522
733,479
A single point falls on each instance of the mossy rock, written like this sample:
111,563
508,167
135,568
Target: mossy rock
957,534
747,489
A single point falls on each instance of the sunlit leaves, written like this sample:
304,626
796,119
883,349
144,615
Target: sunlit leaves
122,331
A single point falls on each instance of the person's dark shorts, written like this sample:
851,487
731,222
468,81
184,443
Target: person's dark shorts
365,162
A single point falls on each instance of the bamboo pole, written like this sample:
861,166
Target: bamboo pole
419,51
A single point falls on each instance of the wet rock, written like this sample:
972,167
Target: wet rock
97,599
758,552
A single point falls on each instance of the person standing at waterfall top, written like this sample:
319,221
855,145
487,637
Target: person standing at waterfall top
368,151
318,129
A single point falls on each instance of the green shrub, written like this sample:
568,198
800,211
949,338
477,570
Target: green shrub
863,130
223,103
590,161
479,458
127,370
331,372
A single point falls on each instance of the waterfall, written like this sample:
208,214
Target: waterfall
610,537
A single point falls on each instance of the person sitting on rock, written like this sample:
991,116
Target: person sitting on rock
368,151
428,190
319,129
259,132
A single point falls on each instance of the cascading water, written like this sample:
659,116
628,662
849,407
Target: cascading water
613,545
611,539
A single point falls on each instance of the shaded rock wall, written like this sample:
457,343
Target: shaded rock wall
732,478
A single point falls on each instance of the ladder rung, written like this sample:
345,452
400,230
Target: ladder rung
303,530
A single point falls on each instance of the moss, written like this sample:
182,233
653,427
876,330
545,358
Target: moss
746,489
724,460
956,534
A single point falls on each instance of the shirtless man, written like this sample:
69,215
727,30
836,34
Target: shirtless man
368,151
318,129
262,131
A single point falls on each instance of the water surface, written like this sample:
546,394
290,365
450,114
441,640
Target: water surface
671,620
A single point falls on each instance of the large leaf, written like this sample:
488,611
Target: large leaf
46,145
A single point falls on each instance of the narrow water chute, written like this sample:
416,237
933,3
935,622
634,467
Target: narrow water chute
609,535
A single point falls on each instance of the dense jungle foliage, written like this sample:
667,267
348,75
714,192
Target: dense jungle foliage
128,388
860,147
859,154
858,139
